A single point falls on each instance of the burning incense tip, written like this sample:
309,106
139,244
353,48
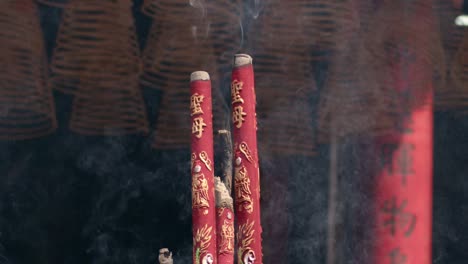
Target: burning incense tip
199,76
242,60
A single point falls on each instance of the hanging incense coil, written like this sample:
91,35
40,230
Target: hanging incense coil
450,33
406,33
284,80
352,100
168,61
97,60
285,122
455,95
452,93
406,54
118,114
216,23
360,96
319,27
26,105
365,9
96,41
162,62
55,3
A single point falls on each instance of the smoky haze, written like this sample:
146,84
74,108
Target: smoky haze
68,198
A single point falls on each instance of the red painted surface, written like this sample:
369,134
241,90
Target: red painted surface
247,178
404,183
203,199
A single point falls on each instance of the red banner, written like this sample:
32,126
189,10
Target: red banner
203,200
404,183
246,167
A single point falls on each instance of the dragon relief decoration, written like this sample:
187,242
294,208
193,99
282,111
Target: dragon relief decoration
201,242
245,254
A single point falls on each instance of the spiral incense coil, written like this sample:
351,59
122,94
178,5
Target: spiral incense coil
332,22
455,97
405,33
166,54
26,105
316,27
284,119
451,34
402,53
452,95
352,100
365,8
116,115
284,87
213,25
96,41
55,3
171,59
283,79
225,33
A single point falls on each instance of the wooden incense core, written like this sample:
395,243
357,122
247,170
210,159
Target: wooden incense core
223,197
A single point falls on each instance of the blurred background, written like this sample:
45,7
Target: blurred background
95,131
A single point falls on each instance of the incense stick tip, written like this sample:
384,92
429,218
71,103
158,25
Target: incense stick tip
242,60
199,76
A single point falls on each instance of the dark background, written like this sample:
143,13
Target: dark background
67,198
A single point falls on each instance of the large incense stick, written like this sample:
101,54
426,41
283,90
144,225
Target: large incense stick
203,195
246,167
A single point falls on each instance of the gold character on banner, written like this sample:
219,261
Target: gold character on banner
238,115
198,127
242,189
200,191
227,238
244,148
236,87
195,104
206,160
397,218
245,238
201,242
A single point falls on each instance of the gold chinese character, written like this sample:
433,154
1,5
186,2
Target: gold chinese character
198,127
195,104
238,116
236,87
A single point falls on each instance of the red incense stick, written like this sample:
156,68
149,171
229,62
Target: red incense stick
246,167
203,200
